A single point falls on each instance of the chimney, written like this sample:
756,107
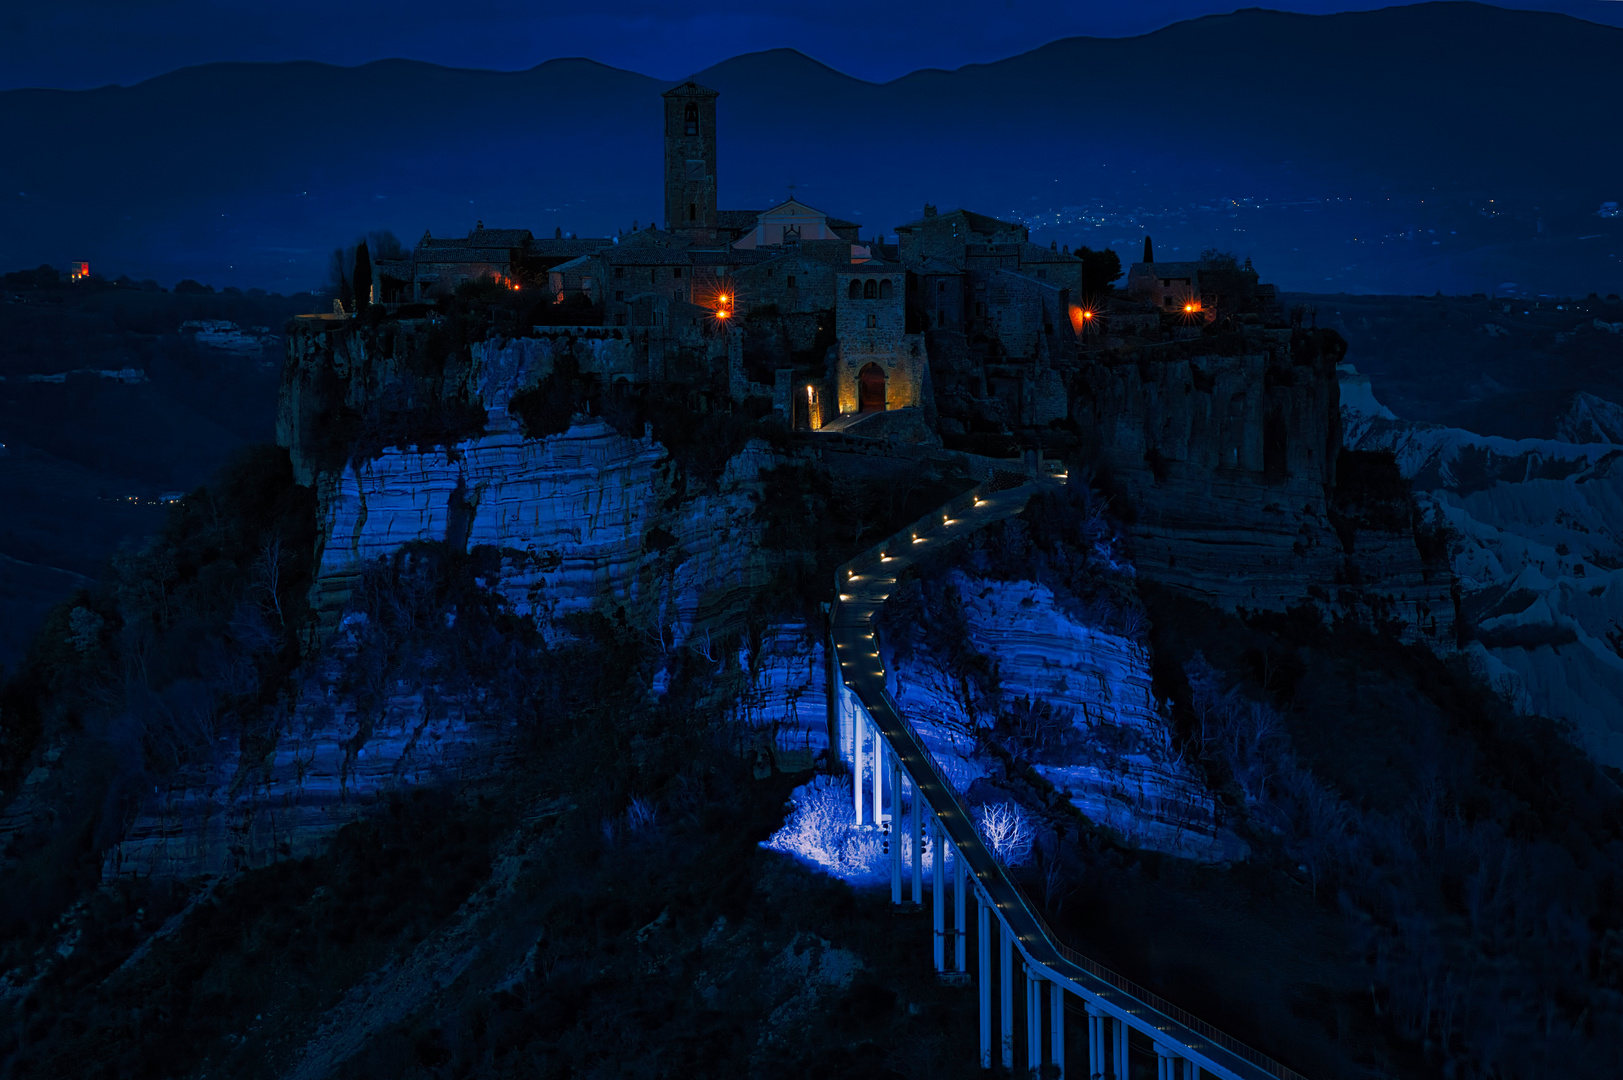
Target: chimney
479,225
1149,250
558,233
929,210
1053,245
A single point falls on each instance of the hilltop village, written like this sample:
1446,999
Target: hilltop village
1209,414
963,321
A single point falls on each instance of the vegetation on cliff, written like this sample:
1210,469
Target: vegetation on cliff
192,637
601,907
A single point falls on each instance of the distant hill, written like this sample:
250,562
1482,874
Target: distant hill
249,174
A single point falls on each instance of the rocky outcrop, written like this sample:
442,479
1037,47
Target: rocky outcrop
330,762
781,700
581,518
1224,462
1537,548
1119,767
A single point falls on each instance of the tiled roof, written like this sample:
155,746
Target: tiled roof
502,256
1036,253
625,255
976,223
1190,270
499,238
737,219
549,246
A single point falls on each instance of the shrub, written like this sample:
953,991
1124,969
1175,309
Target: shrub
1007,830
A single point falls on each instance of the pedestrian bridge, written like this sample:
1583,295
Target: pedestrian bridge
1054,982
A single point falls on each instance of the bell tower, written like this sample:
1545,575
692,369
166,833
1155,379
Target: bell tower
690,161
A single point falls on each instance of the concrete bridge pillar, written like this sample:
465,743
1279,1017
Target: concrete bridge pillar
1118,1044
1056,1026
1096,1042
938,893
960,870
859,726
1006,995
917,829
1034,1021
1166,1063
879,758
983,947
895,829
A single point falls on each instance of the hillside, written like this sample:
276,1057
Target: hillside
1361,151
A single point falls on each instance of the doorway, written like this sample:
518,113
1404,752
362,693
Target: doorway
871,389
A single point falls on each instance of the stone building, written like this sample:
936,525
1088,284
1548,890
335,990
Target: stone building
878,365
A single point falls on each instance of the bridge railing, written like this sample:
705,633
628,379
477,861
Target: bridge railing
1088,979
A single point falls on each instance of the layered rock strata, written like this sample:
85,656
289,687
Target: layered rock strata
1227,468
329,764
1537,548
1123,772
586,517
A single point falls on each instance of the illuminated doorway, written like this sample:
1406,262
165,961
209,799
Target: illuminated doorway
870,389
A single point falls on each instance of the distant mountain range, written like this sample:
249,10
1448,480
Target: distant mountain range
1369,145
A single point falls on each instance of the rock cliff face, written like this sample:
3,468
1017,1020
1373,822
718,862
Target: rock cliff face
1227,462
1119,768
1228,468
580,518
1538,553
331,761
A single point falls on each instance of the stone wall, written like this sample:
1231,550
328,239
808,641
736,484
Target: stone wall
793,283
1029,317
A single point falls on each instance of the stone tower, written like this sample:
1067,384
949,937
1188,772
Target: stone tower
690,161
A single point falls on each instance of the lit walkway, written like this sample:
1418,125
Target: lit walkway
863,586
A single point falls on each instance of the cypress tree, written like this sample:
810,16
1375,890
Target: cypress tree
362,277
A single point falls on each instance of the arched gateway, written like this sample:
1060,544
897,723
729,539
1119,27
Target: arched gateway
871,389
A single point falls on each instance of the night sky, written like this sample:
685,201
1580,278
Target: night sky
73,44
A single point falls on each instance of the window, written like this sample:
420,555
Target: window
980,309
941,318
790,281
619,271
1043,274
870,289
676,271
619,294
872,322
855,291
619,320
769,274
693,211
941,286
886,289
651,276
690,118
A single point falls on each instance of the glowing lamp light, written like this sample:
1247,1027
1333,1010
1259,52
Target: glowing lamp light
1189,307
